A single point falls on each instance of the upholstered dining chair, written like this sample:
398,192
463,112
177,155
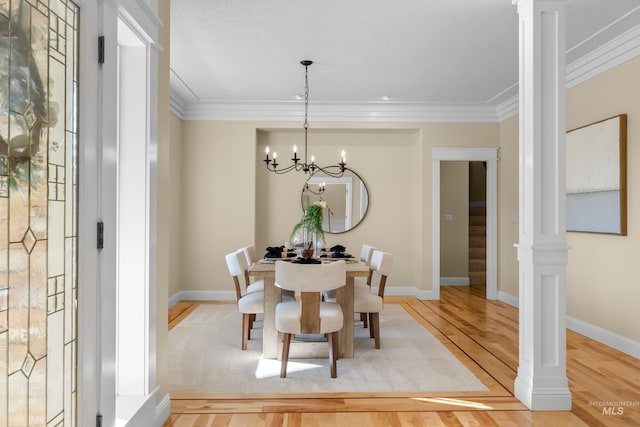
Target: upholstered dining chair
365,256
365,301
250,303
258,285
309,315
251,257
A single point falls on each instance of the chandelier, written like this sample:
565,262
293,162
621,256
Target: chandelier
299,165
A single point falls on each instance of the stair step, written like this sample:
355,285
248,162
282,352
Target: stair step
477,220
477,242
477,210
477,265
477,253
477,278
477,230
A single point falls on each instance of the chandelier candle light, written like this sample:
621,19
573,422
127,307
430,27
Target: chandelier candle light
306,167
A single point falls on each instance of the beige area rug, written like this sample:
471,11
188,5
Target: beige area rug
205,357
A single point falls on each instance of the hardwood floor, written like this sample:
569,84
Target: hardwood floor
605,384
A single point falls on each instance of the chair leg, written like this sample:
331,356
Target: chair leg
246,327
375,326
372,333
333,353
363,317
285,355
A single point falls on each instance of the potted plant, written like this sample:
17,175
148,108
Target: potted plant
312,221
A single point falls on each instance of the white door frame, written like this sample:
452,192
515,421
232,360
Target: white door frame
484,154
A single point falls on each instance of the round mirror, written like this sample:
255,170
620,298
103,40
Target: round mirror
346,198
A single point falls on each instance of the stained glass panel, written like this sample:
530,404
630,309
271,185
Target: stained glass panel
38,211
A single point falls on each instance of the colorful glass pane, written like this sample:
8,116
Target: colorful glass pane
38,184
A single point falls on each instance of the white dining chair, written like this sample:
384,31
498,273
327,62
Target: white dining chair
365,301
249,303
309,315
257,285
365,256
251,257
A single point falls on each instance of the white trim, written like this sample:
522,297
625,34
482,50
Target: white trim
467,154
135,411
604,58
403,291
420,112
508,108
163,411
202,296
489,155
455,281
611,339
89,360
596,333
509,299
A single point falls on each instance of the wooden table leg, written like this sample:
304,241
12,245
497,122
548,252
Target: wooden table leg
345,298
272,296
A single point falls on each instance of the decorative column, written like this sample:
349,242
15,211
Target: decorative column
541,383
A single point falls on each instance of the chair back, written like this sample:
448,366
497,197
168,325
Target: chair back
310,280
366,253
365,256
250,257
310,277
236,264
381,263
250,254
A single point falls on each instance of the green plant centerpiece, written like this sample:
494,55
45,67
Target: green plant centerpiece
312,221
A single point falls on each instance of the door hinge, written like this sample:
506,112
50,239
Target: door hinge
98,420
101,50
100,235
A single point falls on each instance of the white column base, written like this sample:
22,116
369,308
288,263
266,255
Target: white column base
542,398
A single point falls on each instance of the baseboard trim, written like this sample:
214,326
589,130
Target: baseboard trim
405,291
509,299
596,333
611,339
454,281
163,410
201,296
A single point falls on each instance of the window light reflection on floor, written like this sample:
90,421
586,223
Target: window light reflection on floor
268,368
454,402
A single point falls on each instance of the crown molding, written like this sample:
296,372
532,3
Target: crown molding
339,112
176,107
604,58
508,108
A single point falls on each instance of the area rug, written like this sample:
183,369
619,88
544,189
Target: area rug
205,357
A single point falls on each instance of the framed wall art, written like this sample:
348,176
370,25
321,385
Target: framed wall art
597,177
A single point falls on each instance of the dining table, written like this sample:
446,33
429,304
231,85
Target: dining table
265,270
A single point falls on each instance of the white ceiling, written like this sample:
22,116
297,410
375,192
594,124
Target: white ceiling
438,54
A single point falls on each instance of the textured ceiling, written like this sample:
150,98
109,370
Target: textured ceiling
436,52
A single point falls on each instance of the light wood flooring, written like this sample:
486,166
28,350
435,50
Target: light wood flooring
484,336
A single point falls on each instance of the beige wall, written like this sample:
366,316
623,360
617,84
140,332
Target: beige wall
230,201
508,178
454,235
173,191
602,287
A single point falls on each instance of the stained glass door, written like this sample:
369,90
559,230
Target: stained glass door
38,212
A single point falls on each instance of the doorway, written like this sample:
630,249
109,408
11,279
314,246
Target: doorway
490,157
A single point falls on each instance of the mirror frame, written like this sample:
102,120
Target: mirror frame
324,177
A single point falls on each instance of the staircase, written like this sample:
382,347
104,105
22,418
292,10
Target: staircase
477,245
